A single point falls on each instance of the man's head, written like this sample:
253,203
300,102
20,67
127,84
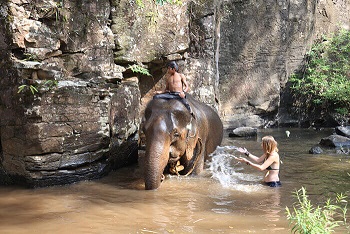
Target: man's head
173,65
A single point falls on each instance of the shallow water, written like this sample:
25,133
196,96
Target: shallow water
227,198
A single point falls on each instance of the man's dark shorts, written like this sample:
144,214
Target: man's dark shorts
173,95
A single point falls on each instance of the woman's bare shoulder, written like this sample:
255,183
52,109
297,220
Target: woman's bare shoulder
275,155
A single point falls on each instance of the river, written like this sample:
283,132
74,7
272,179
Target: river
227,198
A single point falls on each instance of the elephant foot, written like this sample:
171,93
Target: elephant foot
180,167
176,168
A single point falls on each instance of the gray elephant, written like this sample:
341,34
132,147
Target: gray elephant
176,141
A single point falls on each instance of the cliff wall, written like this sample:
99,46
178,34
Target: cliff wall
262,43
70,104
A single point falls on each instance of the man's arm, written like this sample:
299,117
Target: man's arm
167,77
185,86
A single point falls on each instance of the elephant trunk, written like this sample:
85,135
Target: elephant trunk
156,159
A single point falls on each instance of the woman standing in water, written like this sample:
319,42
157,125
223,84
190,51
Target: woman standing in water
269,161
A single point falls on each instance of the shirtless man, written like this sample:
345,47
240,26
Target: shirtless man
175,82
176,86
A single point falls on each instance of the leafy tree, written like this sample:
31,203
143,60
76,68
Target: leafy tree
325,78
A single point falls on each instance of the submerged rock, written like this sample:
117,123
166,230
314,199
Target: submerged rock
343,131
316,150
244,132
335,141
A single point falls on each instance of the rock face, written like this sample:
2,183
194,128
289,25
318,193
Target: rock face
75,118
261,44
70,104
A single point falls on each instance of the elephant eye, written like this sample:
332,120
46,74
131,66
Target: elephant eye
176,134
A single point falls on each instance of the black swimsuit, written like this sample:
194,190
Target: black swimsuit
273,183
269,168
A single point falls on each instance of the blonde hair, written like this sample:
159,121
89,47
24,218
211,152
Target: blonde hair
269,145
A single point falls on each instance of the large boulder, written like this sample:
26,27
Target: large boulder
244,132
335,141
75,117
343,131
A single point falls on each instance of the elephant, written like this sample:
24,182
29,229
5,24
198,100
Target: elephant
177,141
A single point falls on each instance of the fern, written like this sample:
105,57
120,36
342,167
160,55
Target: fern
47,84
139,69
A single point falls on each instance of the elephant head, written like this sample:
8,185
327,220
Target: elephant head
174,140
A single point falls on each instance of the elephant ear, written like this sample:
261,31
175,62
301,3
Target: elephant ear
194,147
193,153
192,129
191,139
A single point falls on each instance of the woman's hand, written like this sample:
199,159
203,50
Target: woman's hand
242,150
243,160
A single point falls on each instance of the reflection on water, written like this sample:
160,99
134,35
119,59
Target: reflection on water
227,198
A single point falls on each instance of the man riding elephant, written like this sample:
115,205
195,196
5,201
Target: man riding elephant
176,86
174,139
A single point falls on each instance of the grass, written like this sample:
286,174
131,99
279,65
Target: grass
306,218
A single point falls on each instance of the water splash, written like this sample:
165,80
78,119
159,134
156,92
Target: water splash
225,168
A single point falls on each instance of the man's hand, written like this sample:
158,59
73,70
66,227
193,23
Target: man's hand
182,94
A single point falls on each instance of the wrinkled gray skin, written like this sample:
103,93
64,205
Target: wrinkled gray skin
172,135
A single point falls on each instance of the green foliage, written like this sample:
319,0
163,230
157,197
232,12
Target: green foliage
162,2
305,218
152,17
32,88
325,78
47,84
139,69
30,57
140,3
